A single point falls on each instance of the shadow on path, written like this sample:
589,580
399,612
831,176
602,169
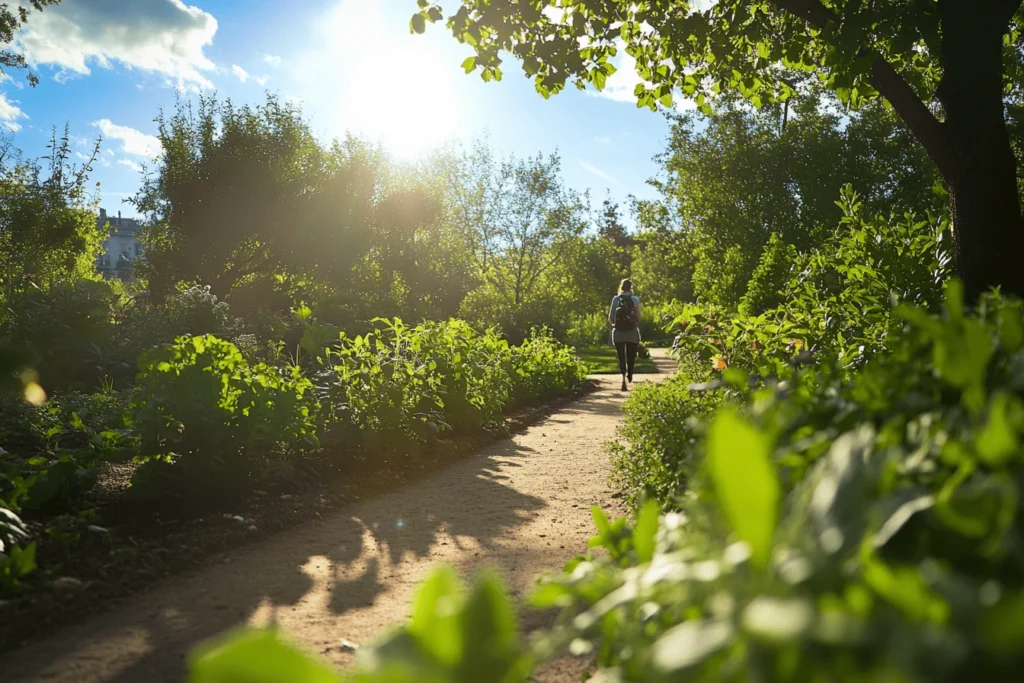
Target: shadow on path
326,580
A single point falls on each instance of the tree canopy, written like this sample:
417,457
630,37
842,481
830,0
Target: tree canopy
11,21
938,63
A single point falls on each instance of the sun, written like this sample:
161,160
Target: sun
404,97
379,82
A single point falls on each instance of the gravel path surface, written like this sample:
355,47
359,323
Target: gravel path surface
521,504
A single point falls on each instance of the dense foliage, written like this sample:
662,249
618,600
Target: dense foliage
946,70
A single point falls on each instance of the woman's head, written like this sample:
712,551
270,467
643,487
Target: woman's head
626,286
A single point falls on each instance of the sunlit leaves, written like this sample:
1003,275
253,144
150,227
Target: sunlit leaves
567,41
256,657
745,481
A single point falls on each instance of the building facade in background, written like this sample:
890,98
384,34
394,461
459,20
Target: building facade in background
121,247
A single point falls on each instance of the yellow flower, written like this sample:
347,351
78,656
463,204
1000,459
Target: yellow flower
719,362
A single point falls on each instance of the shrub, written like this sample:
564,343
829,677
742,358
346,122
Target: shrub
71,330
846,529
206,416
770,276
192,311
658,438
401,385
541,368
588,331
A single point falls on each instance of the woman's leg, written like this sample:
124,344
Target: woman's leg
631,349
620,349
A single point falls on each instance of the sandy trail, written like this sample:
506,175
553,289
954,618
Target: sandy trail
520,504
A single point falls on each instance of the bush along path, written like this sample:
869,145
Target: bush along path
521,504
222,446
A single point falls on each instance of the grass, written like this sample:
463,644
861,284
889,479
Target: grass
603,361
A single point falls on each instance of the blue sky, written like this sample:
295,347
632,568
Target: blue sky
108,66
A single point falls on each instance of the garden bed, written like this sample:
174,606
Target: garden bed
132,545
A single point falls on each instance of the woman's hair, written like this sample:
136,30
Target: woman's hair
626,286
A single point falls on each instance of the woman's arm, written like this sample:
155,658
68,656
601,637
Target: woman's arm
611,311
639,312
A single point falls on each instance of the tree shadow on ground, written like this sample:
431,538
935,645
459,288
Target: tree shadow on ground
349,557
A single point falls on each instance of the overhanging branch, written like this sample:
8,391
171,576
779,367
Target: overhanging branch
892,86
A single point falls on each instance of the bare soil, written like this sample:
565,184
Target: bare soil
520,504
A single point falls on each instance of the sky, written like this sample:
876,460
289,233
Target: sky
107,67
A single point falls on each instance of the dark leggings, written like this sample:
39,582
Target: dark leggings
627,356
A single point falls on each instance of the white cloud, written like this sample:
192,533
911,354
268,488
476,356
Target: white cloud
240,73
165,37
262,80
621,85
599,173
272,60
133,142
130,164
10,113
603,140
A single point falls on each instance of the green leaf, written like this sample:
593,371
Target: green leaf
490,631
604,528
905,589
468,64
417,24
744,478
19,563
253,656
435,616
646,529
997,441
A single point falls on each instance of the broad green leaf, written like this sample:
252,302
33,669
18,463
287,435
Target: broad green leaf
905,589
997,440
435,618
490,631
417,24
745,481
645,530
255,656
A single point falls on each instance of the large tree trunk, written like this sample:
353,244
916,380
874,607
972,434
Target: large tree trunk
979,167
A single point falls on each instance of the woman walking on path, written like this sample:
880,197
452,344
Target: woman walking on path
624,316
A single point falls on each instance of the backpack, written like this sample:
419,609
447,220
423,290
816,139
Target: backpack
625,313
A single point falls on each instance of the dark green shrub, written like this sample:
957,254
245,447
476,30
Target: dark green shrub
211,420
769,278
71,330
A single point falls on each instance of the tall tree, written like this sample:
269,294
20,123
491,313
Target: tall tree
735,176
247,193
521,216
48,230
938,63
611,229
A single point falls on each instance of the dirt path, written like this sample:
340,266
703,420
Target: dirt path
521,504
